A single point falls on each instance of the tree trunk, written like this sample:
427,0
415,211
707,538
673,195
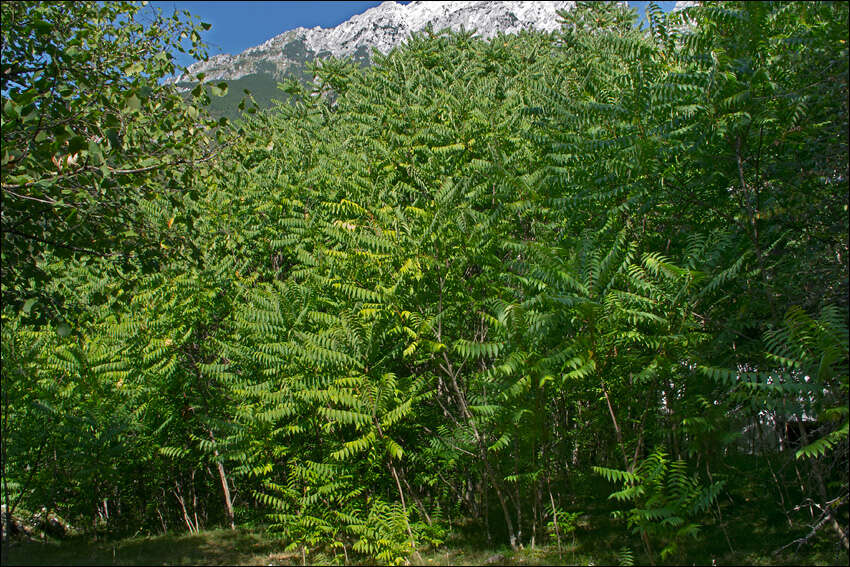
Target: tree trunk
482,448
416,498
404,510
178,494
7,519
448,368
821,486
228,504
554,513
617,429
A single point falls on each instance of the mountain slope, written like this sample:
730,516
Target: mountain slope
383,27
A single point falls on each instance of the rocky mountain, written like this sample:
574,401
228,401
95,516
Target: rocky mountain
383,27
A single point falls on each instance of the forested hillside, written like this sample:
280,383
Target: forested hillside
503,288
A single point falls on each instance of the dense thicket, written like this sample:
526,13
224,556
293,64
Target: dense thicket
478,285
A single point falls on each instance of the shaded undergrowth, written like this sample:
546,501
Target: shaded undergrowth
597,540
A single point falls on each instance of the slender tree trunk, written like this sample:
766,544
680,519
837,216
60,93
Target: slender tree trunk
7,520
821,486
719,513
538,448
195,504
517,502
504,504
779,487
648,547
639,445
482,449
228,504
404,510
161,521
554,513
535,508
178,494
415,497
486,504
618,432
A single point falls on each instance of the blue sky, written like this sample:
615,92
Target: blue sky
237,26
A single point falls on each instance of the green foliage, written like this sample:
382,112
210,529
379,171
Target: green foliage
91,137
625,557
817,351
433,294
667,501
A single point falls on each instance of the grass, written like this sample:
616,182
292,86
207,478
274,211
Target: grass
224,547
216,547
212,547
598,540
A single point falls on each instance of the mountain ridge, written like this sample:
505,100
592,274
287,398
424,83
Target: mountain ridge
383,28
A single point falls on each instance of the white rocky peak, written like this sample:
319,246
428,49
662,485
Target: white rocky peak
384,27
682,4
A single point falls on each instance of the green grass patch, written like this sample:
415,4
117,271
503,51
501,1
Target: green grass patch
598,542
213,547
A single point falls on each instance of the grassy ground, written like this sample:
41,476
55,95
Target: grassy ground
752,535
213,547
226,547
